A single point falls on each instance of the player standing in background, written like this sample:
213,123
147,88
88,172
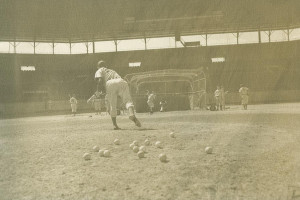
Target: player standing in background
163,105
73,102
222,98
150,101
244,96
98,99
111,83
50,104
218,97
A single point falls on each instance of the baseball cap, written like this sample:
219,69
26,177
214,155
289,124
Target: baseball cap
101,63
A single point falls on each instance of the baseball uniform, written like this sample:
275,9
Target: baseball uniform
115,86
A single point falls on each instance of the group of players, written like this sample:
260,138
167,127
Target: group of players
112,89
220,98
220,95
151,96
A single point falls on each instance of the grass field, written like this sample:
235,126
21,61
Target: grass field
256,155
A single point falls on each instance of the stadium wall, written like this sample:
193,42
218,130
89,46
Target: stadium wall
270,70
63,107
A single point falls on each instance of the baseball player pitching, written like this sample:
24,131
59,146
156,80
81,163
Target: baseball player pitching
111,83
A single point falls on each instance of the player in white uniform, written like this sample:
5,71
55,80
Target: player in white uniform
73,102
111,83
222,97
98,99
244,96
163,105
218,97
150,101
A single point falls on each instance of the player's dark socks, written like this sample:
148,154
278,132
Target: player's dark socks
135,120
114,120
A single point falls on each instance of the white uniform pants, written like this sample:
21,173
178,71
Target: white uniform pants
115,88
74,107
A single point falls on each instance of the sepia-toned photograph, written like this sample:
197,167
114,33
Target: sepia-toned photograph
149,99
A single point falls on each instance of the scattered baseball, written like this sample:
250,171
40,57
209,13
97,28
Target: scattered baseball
106,153
101,153
117,142
158,144
209,150
142,148
162,157
87,156
135,149
96,148
172,135
141,154
147,142
135,143
131,146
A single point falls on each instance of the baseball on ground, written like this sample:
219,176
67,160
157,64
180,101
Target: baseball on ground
142,148
135,149
87,156
209,150
135,143
158,144
96,148
163,157
101,153
131,146
106,153
147,142
141,154
172,135
117,142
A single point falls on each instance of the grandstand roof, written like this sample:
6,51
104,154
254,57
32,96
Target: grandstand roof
78,20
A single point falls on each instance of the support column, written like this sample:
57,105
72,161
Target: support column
205,39
87,47
34,45
17,82
237,35
259,36
93,46
53,46
70,45
116,44
145,41
15,46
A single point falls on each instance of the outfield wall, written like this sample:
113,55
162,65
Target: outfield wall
261,67
63,107
41,108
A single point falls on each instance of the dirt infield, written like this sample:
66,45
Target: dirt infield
256,155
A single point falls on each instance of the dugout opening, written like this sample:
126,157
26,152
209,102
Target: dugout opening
181,89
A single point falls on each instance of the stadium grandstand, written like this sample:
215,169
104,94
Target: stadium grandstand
49,49
149,99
